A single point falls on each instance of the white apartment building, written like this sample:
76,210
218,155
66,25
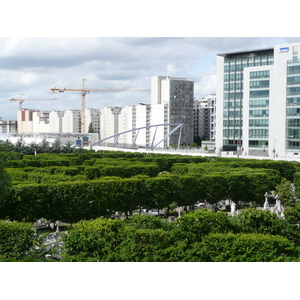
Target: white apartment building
172,101
116,120
8,126
68,121
92,116
24,120
258,96
109,122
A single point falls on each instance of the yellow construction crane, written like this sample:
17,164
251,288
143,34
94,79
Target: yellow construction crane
84,90
20,100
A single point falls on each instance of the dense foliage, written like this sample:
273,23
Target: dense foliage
85,189
203,235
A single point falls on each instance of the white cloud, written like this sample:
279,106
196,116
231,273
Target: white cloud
31,66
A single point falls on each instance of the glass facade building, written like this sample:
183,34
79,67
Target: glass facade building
258,101
233,96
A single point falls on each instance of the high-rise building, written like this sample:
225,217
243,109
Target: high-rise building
258,96
204,117
172,101
115,120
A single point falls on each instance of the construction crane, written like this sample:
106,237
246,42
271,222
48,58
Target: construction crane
20,100
84,91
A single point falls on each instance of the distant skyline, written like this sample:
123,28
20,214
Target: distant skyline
31,66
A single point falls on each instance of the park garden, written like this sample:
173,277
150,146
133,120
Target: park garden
89,190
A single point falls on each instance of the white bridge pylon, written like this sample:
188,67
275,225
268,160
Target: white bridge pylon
153,145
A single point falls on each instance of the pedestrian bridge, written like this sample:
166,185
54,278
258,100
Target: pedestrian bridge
178,126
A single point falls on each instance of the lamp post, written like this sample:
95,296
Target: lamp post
274,150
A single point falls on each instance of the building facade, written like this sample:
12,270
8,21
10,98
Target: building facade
258,96
204,118
172,101
115,120
8,126
68,121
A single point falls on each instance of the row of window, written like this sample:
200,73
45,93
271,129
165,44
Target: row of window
259,103
293,111
292,133
258,144
232,104
259,94
293,80
233,86
293,123
233,96
293,70
259,123
258,133
231,123
258,84
291,101
232,132
232,114
259,113
240,67
260,74
233,77
295,90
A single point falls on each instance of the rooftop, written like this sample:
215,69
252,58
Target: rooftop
246,52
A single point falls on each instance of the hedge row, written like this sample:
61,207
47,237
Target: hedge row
16,239
202,236
72,201
56,173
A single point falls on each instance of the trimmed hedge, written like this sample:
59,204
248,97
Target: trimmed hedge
16,239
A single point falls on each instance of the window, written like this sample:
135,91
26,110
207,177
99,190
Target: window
259,84
259,94
293,90
259,103
293,101
258,133
293,80
259,123
259,113
293,70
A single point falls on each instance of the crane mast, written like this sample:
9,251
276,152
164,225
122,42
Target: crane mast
84,91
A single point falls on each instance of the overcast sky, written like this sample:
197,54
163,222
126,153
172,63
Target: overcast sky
31,66
40,49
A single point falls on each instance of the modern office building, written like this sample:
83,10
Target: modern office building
172,101
258,96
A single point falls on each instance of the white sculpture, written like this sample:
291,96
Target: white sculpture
233,208
266,204
278,208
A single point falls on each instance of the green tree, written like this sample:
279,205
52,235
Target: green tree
91,129
253,220
195,225
94,240
44,146
56,146
5,181
286,193
252,247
